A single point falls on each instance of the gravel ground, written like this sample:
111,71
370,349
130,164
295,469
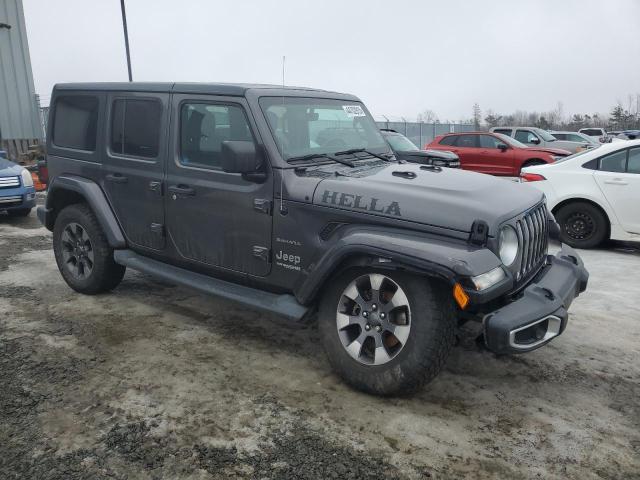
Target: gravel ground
153,381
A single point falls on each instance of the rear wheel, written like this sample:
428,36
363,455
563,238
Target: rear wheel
582,225
82,252
386,332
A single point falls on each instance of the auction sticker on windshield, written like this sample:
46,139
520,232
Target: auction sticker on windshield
353,111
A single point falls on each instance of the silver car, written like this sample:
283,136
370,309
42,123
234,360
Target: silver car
537,137
589,142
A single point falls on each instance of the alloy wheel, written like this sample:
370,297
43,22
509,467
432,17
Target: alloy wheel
77,251
373,319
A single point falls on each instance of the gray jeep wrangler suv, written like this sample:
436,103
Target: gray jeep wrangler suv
289,200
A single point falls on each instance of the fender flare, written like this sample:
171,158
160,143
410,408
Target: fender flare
424,254
91,192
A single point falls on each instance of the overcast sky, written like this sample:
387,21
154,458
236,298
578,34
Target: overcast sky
400,57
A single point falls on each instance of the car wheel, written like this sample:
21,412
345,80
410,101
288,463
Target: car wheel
385,332
82,252
582,225
23,212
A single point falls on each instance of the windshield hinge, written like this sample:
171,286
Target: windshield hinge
262,205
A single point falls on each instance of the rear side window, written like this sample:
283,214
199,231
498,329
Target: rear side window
467,141
592,132
203,128
135,127
616,162
76,122
450,140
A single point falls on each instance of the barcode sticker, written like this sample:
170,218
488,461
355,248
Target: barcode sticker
353,111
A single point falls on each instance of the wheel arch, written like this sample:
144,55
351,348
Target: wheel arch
556,208
70,189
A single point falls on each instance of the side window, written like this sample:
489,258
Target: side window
591,164
203,128
487,141
450,140
525,136
504,131
560,136
633,166
135,127
573,138
615,162
467,141
76,122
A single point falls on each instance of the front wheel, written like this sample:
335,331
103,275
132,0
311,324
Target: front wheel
386,333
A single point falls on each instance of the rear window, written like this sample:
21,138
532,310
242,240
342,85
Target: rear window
135,127
504,131
75,123
615,162
592,132
450,140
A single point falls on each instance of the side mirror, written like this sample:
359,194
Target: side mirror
502,147
241,157
535,141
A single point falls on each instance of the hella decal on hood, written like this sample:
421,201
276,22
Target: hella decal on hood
369,204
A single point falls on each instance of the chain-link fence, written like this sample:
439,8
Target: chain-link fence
423,133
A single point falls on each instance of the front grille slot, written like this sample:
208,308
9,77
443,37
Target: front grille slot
10,201
533,234
9,182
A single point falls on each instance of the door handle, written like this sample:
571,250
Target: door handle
616,181
116,178
182,190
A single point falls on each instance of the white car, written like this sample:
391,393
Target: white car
594,194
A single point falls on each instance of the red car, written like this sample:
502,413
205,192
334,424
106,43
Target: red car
494,153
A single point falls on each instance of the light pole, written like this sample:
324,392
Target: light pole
126,38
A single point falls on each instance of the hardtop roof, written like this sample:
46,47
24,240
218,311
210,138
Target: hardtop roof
231,89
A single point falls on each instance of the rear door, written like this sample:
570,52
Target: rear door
216,219
134,163
618,176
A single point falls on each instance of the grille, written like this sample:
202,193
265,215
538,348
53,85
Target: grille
6,182
533,233
10,201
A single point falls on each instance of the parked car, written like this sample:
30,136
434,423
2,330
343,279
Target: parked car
226,189
537,137
594,194
494,153
589,142
17,194
597,133
405,149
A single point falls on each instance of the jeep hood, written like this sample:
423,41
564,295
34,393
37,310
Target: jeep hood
446,198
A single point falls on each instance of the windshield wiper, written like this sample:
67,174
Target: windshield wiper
312,156
362,150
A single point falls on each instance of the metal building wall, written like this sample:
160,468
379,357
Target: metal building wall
19,111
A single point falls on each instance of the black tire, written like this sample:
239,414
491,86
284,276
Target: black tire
98,275
422,356
582,225
23,212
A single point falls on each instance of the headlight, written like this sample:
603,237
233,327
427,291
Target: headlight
27,179
508,245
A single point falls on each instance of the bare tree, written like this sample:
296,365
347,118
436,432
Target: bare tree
428,116
477,116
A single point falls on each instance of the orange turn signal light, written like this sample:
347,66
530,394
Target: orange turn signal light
462,299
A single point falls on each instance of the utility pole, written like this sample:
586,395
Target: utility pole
126,38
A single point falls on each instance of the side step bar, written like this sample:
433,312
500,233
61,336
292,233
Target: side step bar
280,304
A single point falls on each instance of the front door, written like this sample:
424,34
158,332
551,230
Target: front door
215,218
618,177
493,159
133,167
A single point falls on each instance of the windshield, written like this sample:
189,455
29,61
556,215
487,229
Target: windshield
510,140
546,136
307,126
400,143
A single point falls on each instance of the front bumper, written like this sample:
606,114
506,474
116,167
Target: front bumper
539,314
20,198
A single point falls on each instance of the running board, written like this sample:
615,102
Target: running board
280,304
